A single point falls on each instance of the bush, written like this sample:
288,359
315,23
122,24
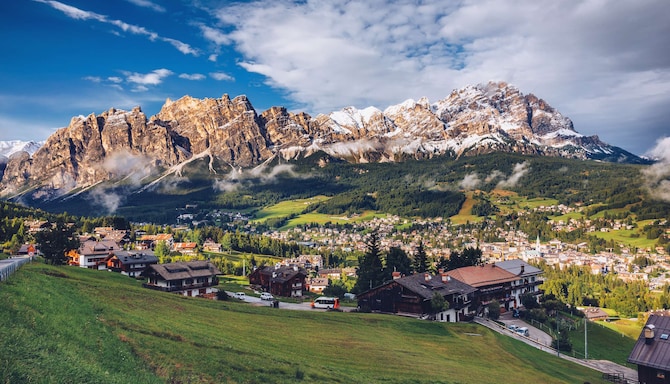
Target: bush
222,295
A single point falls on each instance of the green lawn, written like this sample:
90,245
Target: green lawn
603,343
66,324
286,208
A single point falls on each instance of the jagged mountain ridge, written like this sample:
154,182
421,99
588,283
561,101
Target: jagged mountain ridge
472,120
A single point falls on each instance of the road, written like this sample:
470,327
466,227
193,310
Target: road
537,340
306,306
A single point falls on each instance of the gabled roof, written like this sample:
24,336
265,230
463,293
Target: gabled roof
136,257
283,273
95,247
425,287
514,266
185,270
482,275
656,353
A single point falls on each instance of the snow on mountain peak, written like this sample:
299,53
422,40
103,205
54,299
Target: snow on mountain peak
10,147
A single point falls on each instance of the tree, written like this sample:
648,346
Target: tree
370,269
494,310
469,257
438,303
420,259
162,251
397,260
55,242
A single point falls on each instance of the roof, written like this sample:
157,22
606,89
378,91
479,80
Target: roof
419,284
514,266
426,287
185,270
283,273
93,247
482,275
657,353
136,257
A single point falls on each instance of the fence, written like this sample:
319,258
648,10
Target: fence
9,266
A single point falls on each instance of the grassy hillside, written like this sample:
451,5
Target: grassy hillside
65,324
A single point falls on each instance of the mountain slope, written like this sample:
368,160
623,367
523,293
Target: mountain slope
117,145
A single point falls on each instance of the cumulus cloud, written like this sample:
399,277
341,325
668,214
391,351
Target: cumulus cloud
192,76
262,174
657,176
128,170
154,77
470,182
80,14
590,59
520,170
221,76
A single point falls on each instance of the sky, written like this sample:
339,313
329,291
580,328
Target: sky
604,64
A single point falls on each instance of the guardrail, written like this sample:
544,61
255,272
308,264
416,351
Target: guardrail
9,266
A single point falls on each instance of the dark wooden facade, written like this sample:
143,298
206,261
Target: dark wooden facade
286,281
651,352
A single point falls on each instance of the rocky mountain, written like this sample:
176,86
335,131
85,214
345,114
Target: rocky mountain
126,144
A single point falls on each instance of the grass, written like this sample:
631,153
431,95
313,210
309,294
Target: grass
604,343
66,324
286,208
465,214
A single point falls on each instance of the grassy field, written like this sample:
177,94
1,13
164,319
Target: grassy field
465,214
603,342
66,324
321,218
286,208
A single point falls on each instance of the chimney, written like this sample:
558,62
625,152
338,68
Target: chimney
396,275
445,277
522,270
440,271
649,333
426,276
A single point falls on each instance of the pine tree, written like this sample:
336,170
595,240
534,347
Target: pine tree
420,260
370,269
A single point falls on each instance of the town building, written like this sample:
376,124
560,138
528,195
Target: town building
286,281
492,283
190,278
131,263
92,254
413,295
651,352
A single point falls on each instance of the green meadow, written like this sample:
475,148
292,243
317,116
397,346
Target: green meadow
72,325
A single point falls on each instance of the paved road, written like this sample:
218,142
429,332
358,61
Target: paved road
9,266
603,366
306,306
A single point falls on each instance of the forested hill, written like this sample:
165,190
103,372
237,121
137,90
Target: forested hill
413,188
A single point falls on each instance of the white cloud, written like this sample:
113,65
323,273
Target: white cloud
148,4
154,77
212,57
192,76
470,182
80,14
115,79
221,76
520,170
657,176
604,63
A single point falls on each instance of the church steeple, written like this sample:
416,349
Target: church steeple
537,243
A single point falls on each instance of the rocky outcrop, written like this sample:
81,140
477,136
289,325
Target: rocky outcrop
470,121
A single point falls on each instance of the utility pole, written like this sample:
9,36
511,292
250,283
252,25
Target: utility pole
558,347
586,344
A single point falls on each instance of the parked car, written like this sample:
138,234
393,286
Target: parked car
240,295
513,327
266,296
523,331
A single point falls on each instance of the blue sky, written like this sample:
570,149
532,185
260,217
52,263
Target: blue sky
605,64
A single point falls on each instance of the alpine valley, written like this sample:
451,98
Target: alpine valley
103,160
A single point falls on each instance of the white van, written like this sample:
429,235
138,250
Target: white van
523,331
240,295
326,302
266,296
